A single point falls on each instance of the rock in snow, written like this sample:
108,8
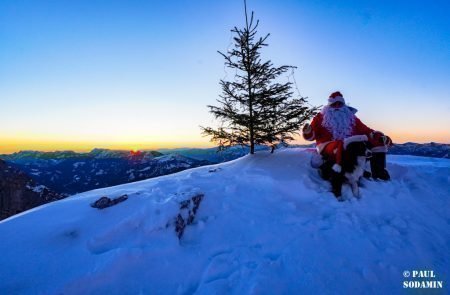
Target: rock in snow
105,202
267,225
188,209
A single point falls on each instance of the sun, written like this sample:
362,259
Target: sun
134,149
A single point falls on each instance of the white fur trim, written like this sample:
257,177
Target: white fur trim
379,149
332,100
354,138
337,168
352,109
321,146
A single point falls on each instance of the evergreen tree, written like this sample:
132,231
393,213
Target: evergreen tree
255,108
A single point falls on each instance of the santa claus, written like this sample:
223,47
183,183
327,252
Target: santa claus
336,125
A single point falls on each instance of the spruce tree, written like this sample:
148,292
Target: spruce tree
255,108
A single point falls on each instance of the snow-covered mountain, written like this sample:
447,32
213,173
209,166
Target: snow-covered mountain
265,224
68,172
432,149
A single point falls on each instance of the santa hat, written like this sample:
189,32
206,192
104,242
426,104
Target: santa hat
335,97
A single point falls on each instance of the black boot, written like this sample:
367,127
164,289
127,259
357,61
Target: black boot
378,166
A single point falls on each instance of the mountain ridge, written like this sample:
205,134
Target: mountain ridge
70,173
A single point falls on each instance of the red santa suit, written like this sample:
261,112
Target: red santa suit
334,128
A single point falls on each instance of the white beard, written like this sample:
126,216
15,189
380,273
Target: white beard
339,121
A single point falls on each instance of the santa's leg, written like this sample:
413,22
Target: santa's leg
325,170
378,166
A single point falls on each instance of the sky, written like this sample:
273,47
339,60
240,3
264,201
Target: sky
140,74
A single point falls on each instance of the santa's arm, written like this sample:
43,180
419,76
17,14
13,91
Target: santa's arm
376,138
361,128
308,130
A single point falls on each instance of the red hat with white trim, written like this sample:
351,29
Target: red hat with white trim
335,97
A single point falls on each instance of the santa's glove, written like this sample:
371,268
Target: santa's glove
308,132
387,140
307,128
377,138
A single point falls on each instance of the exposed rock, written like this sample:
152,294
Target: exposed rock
188,209
105,202
18,192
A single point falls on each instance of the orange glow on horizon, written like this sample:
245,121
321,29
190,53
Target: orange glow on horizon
15,145
12,145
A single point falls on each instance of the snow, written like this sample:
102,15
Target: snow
171,157
78,164
267,225
35,172
37,188
100,172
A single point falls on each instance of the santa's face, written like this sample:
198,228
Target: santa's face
337,105
339,120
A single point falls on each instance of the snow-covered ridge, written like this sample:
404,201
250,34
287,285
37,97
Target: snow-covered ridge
267,224
432,149
99,168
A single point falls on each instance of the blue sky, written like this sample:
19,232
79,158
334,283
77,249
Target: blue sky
139,74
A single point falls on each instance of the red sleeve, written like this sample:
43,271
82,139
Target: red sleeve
321,133
309,131
361,128
316,122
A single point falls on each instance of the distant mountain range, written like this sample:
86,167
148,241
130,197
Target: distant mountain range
432,149
69,172
212,155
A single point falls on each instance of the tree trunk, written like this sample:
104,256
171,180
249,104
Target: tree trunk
247,62
252,135
250,106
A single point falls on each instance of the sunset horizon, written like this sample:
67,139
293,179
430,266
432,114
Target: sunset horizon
141,75
87,147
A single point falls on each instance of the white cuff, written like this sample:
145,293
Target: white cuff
337,168
380,149
354,138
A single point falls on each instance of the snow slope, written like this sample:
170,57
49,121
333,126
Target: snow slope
267,225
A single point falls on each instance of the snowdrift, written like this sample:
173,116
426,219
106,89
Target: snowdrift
267,224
